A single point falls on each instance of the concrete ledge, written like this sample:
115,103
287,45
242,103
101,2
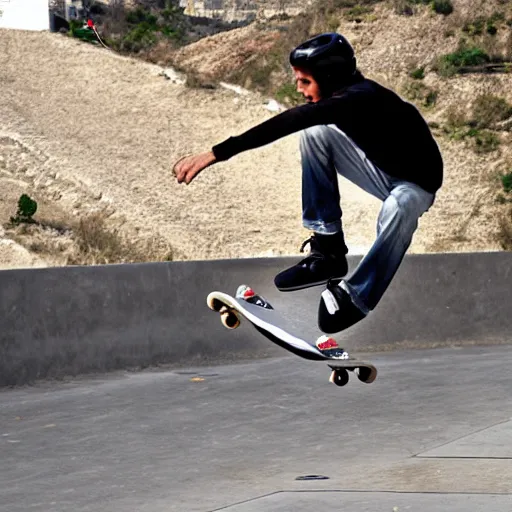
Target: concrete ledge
68,321
443,299
74,320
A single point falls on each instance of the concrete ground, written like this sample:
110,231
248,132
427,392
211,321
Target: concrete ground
434,432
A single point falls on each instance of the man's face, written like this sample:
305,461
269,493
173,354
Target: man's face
307,85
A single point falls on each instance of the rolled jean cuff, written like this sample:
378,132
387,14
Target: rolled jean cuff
323,228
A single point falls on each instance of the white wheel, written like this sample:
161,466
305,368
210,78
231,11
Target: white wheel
229,319
339,377
214,304
366,375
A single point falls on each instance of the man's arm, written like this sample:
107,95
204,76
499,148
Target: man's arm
188,167
286,123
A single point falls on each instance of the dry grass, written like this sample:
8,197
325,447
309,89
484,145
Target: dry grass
490,110
423,95
505,230
88,241
96,243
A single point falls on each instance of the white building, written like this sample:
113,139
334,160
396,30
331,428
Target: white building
25,14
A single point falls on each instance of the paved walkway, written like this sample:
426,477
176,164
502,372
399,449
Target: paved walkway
432,433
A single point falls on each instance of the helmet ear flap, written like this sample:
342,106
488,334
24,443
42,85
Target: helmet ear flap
333,73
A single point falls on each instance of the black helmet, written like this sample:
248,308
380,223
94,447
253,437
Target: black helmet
329,57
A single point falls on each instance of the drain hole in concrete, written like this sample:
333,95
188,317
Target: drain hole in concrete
312,477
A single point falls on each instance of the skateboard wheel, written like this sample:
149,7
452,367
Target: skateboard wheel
215,304
366,375
339,377
229,319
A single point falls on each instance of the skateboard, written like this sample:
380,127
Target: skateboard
260,313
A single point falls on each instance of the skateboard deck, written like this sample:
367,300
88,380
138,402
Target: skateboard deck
259,312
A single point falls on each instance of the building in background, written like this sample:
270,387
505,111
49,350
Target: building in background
74,9
25,14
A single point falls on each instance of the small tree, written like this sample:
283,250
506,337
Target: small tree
27,208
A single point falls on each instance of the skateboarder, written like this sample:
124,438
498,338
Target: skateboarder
355,127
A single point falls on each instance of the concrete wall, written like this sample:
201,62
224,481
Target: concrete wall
25,14
67,321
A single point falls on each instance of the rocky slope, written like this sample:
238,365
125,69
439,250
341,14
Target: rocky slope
83,130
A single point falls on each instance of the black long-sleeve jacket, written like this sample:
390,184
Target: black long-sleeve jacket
391,132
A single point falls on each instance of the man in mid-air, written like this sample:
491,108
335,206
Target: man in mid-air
354,127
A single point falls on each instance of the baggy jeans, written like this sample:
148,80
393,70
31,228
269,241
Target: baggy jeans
326,151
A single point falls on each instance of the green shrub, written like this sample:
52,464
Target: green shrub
431,98
480,24
497,17
172,12
486,141
139,38
467,57
418,73
420,93
27,208
452,63
459,127
491,29
140,29
140,15
444,7
506,181
474,27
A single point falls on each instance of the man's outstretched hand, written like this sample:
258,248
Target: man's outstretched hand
188,167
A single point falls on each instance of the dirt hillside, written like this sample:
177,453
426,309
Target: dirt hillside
83,129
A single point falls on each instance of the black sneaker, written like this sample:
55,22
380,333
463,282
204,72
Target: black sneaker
327,260
336,311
